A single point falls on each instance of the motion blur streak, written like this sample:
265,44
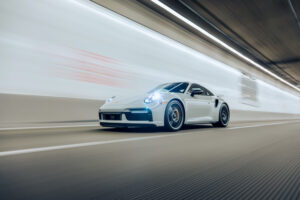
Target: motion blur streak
221,43
71,146
78,49
202,163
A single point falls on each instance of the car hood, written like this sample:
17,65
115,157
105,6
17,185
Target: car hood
126,102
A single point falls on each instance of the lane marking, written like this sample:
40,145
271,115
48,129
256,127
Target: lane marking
259,125
47,127
70,146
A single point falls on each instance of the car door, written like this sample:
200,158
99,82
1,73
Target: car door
198,107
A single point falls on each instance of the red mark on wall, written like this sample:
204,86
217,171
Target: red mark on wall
85,66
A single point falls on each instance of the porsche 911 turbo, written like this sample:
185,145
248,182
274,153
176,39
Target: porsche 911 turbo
170,105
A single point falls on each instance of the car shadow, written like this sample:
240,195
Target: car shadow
197,126
143,130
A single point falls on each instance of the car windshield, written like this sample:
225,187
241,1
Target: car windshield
178,87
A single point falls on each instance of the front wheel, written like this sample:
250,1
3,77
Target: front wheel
174,116
224,116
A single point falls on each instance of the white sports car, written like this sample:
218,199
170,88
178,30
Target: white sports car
170,105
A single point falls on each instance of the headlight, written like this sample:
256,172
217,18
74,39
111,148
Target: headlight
110,99
153,97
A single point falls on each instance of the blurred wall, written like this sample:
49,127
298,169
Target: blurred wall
77,49
32,111
24,110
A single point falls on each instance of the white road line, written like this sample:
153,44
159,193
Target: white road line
259,125
47,127
70,146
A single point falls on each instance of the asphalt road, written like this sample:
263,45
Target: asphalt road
245,161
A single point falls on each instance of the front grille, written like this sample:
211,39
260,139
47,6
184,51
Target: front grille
139,115
111,116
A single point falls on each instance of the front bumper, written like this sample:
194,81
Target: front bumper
123,125
130,117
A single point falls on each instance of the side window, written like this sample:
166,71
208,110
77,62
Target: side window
205,91
209,93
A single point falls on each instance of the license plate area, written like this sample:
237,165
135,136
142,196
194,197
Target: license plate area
111,116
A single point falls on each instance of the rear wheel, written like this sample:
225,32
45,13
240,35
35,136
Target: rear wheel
224,116
174,115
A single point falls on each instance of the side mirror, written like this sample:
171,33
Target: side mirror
197,91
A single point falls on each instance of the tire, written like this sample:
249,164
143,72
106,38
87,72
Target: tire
174,116
224,116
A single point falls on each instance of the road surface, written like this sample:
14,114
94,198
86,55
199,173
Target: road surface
244,161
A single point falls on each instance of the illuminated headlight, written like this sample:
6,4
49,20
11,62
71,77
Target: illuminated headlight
153,97
110,99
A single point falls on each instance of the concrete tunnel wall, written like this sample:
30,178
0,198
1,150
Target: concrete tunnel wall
61,59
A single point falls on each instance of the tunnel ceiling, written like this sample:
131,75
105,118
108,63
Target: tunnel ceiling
267,31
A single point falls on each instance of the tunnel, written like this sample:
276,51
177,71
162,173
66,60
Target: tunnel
149,99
